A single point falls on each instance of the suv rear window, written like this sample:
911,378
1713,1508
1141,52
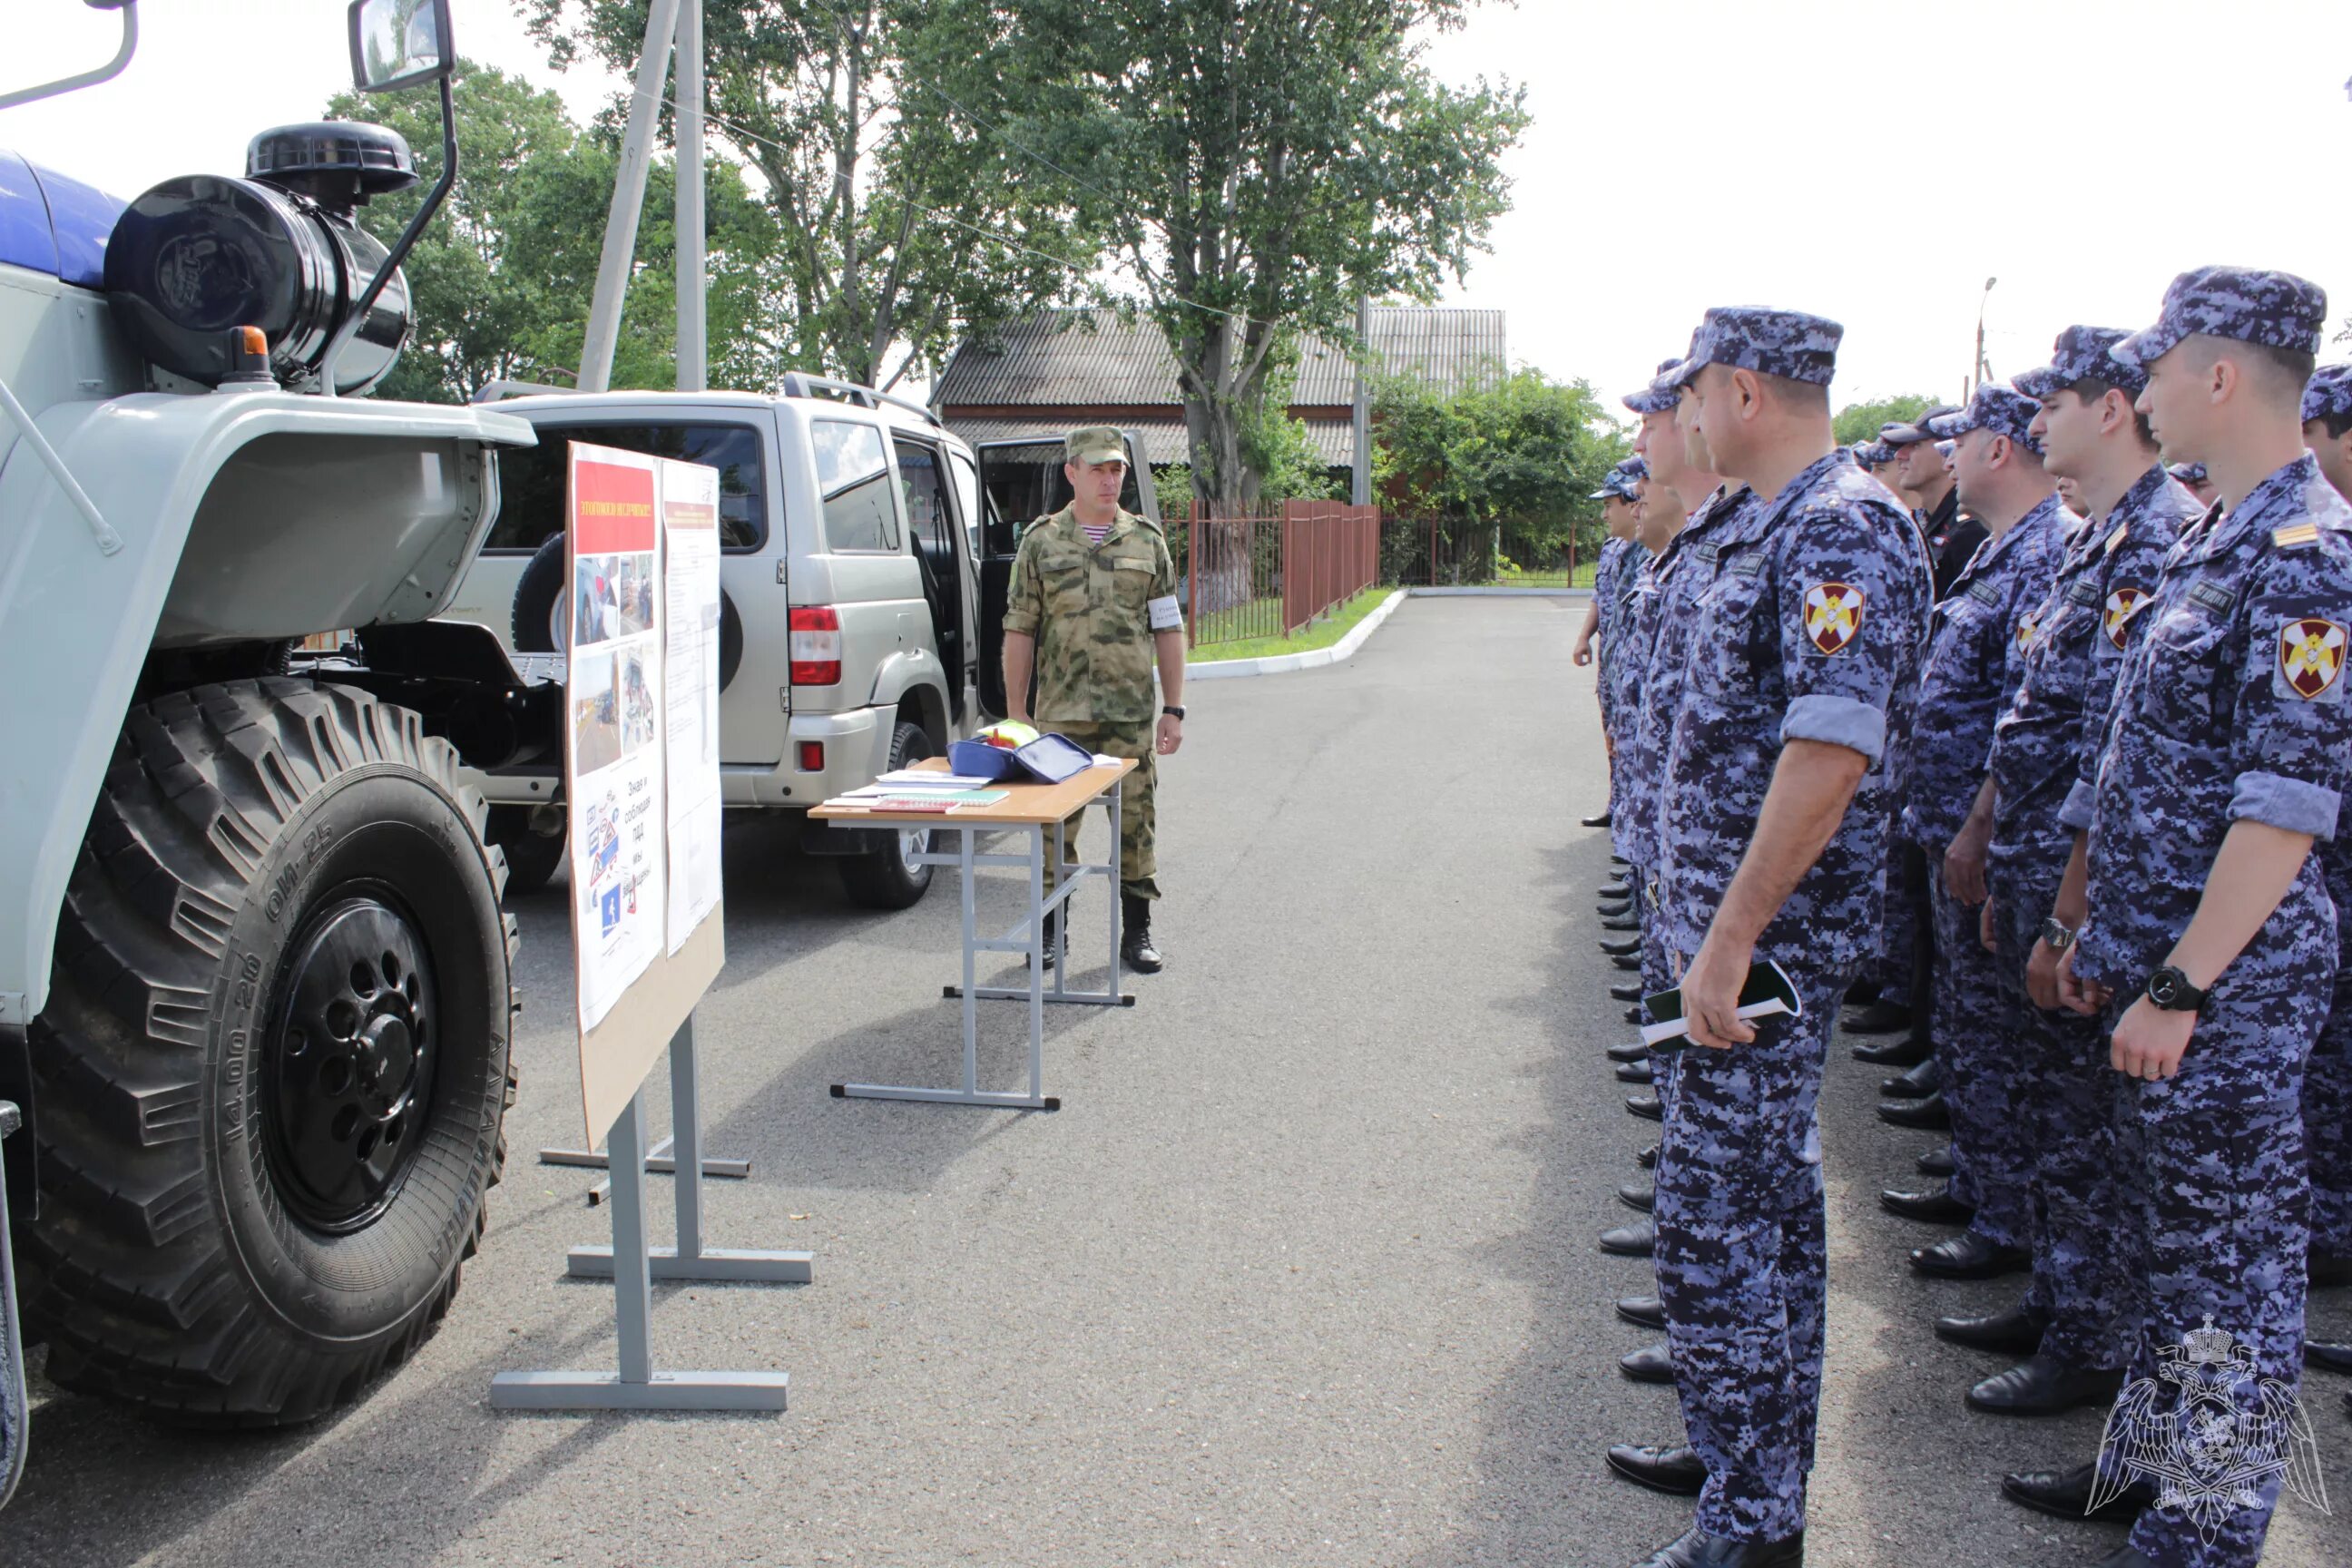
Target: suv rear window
854,479
530,478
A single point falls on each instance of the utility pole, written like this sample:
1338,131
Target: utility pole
1983,371
619,257
693,320
1361,492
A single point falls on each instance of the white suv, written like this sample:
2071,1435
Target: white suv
860,630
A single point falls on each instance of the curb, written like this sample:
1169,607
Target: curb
1283,663
1500,593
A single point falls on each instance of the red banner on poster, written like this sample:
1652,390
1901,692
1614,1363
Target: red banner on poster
615,507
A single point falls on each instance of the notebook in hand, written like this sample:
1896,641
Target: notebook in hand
1767,991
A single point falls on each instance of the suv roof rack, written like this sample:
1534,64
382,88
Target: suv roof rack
493,391
798,383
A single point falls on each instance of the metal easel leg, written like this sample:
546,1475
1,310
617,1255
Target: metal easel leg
689,1259
635,1386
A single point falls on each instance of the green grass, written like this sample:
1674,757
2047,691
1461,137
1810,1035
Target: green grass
1321,632
1237,621
1584,571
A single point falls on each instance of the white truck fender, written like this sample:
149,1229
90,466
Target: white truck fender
76,626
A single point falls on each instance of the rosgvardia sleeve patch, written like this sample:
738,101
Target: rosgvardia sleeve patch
2310,659
1833,615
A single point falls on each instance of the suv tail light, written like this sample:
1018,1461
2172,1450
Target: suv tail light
816,646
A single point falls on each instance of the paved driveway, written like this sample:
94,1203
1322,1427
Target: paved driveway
1302,1274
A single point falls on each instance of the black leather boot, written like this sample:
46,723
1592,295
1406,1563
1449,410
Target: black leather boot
1135,935
2043,1386
1678,1470
1700,1550
2067,1494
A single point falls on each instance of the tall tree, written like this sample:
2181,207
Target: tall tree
1860,421
900,221
1519,453
499,280
1256,164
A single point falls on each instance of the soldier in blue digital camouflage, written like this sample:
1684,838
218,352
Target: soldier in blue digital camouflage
1968,679
1770,838
2328,1086
1685,503
1611,580
2210,940
2071,1334
2193,479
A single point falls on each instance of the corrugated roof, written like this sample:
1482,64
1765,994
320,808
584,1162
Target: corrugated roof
1163,438
1065,358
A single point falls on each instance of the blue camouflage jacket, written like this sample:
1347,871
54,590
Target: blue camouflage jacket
2231,706
2065,660
1970,675
1813,619
1677,576
1607,586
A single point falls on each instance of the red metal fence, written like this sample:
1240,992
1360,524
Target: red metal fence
1267,575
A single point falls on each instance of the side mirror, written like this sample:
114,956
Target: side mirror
400,43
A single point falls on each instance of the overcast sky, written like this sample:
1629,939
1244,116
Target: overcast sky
1870,162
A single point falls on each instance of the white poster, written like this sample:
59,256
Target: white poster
613,740
690,509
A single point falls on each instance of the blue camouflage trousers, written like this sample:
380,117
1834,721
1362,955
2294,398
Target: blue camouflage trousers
2082,1214
1992,1161
2327,1123
1742,1259
2222,1175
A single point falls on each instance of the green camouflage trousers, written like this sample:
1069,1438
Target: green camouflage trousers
1138,818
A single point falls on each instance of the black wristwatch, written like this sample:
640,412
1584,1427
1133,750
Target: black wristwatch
2169,990
1173,711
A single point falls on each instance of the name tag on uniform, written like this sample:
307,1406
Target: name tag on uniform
1984,592
2206,593
2085,591
1131,564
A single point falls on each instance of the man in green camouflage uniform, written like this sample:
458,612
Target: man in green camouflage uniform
1092,607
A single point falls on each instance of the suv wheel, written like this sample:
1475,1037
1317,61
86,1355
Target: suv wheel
886,877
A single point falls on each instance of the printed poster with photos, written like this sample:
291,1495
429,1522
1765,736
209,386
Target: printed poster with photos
613,773
691,613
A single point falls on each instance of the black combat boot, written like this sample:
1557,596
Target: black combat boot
1135,934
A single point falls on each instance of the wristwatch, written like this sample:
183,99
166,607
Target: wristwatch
2059,937
2169,989
1172,710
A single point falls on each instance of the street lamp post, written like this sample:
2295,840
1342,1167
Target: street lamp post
1983,371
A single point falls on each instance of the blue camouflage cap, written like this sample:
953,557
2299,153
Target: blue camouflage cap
2187,473
1788,343
2000,409
2274,309
1656,397
2328,394
1899,433
1622,480
2080,353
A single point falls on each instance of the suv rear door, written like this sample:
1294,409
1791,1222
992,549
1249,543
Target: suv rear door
935,535
1022,480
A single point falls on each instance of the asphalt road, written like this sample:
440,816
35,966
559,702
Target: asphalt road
1302,1273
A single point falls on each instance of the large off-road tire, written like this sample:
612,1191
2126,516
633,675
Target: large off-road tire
536,623
531,856
886,876
274,1069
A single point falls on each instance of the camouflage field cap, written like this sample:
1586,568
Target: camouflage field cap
1095,445
1622,480
1656,398
1872,453
1788,343
1996,408
1900,433
2328,394
2187,473
2274,309
2080,353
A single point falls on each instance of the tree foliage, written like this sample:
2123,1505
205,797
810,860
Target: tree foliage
899,221
1860,421
1520,453
1255,165
500,279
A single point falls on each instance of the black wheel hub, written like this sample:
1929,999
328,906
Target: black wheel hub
348,1068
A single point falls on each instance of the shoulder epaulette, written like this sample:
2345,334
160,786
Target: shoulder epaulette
2122,529
2295,533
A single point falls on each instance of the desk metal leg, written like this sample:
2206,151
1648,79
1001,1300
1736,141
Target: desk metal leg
971,1093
